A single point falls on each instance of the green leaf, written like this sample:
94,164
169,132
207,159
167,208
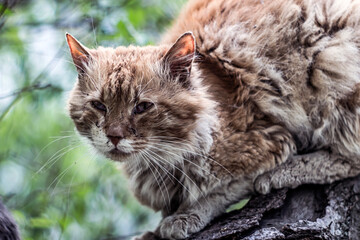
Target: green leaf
238,206
124,32
42,222
137,17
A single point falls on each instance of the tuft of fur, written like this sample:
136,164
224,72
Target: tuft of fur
268,97
8,227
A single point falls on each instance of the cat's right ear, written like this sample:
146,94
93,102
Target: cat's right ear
180,57
78,52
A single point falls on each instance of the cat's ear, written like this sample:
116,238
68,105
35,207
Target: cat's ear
180,57
78,52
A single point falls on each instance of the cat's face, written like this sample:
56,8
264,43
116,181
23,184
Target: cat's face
136,101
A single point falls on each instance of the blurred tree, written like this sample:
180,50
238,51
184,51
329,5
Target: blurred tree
53,185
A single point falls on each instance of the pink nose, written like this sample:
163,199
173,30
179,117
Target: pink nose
115,134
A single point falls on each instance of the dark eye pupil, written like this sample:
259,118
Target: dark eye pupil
142,107
99,106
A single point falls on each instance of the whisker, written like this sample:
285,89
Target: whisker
174,166
148,161
56,156
47,145
189,146
161,167
184,158
164,169
50,159
59,177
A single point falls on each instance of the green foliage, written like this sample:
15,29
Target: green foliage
55,186
238,205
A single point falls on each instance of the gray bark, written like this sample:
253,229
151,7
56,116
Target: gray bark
307,212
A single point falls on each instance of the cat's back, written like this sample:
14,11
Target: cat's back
206,18
304,54
199,14
285,35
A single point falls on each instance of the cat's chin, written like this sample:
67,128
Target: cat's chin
118,155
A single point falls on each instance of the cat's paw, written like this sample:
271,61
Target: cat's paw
180,226
263,184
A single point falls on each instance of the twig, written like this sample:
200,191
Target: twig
36,86
19,93
7,109
5,4
30,88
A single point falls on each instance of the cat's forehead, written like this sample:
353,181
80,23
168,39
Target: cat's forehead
127,60
125,69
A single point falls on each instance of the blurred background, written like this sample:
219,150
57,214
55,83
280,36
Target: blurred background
54,186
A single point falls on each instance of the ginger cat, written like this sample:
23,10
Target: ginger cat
240,96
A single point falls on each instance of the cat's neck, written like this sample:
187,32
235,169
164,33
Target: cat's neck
208,120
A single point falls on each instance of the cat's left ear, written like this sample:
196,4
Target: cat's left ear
180,57
78,52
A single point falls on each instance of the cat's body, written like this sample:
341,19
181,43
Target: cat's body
270,81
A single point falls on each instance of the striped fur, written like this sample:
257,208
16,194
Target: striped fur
268,97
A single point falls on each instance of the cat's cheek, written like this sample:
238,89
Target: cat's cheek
99,139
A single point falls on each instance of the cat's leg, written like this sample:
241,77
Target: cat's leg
193,218
247,155
319,168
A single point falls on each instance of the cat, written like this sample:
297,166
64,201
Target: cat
240,96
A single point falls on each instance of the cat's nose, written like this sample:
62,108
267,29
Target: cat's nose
114,140
115,134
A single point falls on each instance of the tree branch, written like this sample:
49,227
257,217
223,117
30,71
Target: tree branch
4,5
35,86
308,212
19,93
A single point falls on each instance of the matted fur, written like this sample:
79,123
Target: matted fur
269,81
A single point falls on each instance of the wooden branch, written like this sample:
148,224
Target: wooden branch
307,212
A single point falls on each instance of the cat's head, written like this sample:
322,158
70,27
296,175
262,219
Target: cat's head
133,102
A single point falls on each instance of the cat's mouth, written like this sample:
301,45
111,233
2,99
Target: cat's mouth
117,153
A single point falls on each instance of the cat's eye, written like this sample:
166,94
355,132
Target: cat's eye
99,106
142,107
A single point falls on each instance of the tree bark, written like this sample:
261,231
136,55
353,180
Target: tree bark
307,212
